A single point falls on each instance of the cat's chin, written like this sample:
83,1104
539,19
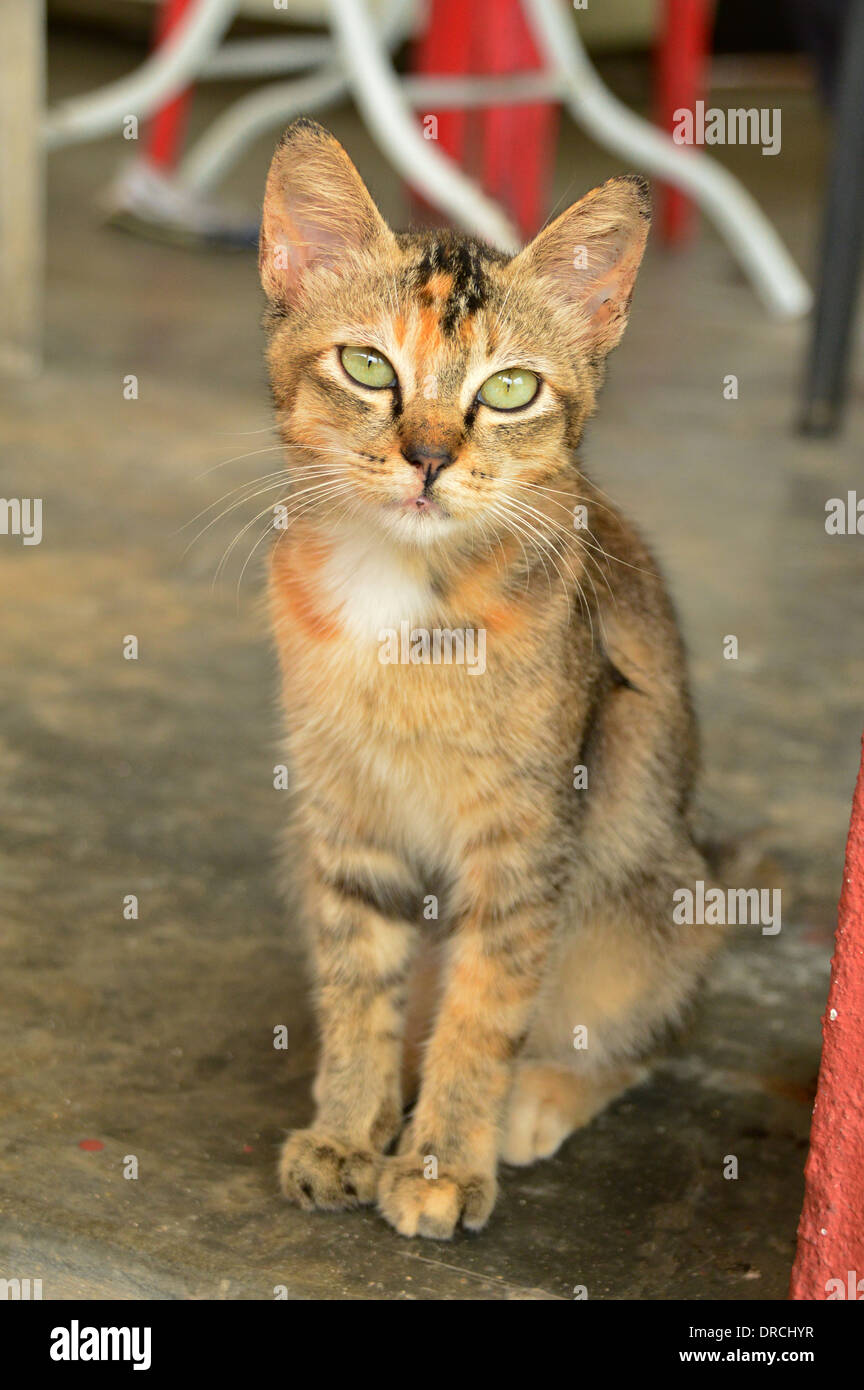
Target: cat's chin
426,526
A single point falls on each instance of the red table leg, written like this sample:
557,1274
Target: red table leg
445,48
166,128
681,61
518,141
510,149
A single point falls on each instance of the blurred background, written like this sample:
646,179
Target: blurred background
133,404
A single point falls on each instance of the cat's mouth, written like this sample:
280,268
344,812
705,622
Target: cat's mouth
423,505
419,519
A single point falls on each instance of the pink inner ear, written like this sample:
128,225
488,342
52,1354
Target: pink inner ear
607,297
600,303
290,248
317,211
285,245
293,242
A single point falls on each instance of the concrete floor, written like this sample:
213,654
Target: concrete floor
153,777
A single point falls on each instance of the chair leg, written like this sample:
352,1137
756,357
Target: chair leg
207,161
391,123
167,70
751,237
843,242
445,48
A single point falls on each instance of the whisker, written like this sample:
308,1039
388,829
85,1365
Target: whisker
301,512
347,510
555,557
222,434
250,482
525,557
278,482
574,496
516,530
588,502
253,453
318,490
281,475
571,538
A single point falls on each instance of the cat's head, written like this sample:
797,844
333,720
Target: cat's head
425,382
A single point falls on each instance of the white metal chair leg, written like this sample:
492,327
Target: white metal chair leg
391,122
226,137
741,221
270,57
224,141
176,62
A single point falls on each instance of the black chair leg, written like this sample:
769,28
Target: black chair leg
843,241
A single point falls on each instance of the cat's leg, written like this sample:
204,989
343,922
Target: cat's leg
623,974
623,970
445,1171
362,945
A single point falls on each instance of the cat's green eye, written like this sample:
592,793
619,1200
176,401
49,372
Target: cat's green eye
509,389
369,367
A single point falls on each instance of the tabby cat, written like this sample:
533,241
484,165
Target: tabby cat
489,847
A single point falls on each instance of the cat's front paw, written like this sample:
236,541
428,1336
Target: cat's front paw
319,1172
416,1205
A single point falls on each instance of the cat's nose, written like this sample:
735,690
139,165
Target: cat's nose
430,458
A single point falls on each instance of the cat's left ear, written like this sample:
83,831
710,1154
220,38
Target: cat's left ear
588,257
317,212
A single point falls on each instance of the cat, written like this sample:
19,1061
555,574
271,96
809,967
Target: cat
488,856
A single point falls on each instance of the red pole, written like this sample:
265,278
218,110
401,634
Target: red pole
830,1260
510,148
166,128
681,63
444,48
518,141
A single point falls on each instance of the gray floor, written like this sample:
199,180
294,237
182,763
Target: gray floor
154,778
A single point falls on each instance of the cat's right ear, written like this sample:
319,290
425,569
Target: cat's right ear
317,212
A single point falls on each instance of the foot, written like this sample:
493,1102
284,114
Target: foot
319,1172
419,1206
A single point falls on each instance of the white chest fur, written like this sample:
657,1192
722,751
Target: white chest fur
372,584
